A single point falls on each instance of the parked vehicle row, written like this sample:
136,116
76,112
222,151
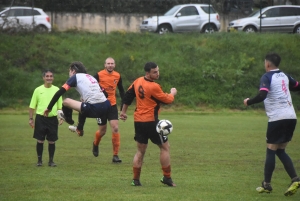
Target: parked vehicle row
201,18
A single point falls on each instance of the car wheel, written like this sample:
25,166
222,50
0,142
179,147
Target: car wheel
163,29
297,29
41,29
250,29
209,28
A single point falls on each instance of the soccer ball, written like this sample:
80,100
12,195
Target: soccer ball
164,127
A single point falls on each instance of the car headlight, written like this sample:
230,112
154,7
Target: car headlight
237,22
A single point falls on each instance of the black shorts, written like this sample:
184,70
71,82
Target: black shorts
280,131
112,115
45,128
98,110
147,130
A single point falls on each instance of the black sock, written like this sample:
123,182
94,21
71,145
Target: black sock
51,150
269,165
67,112
39,150
81,121
287,162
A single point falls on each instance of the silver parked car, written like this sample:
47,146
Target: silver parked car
24,18
184,18
283,18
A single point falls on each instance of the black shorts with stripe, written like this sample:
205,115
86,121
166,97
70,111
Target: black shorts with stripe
147,130
280,131
45,128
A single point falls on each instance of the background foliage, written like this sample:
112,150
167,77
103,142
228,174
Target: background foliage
216,71
118,6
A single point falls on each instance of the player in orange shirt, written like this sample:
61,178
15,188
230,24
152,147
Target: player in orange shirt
109,80
149,96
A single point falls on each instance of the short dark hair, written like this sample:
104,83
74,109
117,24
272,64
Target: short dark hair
274,58
149,65
46,71
78,67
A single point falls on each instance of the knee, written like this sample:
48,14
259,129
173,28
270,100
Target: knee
66,101
40,141
102,131
51,142
115,129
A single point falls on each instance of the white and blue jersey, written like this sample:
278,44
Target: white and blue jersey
87,86
278,103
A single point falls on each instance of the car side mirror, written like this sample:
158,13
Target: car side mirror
2,15
263,16
178,14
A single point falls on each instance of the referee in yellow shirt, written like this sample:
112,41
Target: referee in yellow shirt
45,127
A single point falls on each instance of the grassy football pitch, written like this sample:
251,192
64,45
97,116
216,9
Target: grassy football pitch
215,156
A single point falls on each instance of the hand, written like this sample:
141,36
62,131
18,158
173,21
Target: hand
245,101
46,112
31,123
61,121
173,91
123,116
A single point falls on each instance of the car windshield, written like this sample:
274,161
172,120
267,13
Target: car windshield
208,9
171,11
256,13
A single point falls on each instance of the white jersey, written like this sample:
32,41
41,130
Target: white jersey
278,103
87,86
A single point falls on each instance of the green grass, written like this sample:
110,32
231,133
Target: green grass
215,156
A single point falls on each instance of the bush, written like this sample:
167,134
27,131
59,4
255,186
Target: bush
215,70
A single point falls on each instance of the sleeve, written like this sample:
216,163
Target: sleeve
261,96
55,98
129,95
293,84
264,83
33,101
162,96
121,88
59,103
96,76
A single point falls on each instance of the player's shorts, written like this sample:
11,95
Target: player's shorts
45,128
147,130
112,115
98,110
280,131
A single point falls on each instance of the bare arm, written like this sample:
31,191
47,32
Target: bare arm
123,114
31,121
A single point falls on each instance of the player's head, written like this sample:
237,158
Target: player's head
48,77
109,64
149,65
272,60
152,71
78,67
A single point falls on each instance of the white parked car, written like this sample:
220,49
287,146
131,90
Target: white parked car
283,18
184,18
24,18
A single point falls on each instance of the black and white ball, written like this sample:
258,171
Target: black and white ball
164,127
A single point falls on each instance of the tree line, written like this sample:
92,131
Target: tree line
104,6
